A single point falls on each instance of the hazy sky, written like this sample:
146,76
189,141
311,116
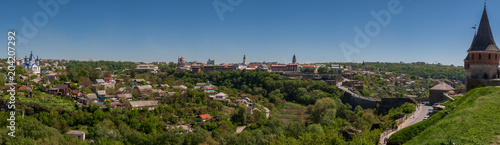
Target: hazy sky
263,30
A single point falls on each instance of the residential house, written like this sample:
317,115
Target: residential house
99,81
163,86
116,104
207,89
146,67
263,67
140,104
220,96
76,134
90,98
199,85
144,91
158,93
22,88
182,87
23,77
244,101
137,81
203,117
60,89
123,90
51,77
109,85
36,80
111,97
170,94
239,66
76,94
108,80
101,94
125,96
118,81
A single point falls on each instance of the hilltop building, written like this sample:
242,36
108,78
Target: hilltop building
146,67
439,93
292,67
32,64
481,63
181,63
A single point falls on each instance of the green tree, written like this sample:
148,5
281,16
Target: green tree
63,78
321,107
240,116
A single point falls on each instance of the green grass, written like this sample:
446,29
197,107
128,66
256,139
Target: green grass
290,105
472,119
51,102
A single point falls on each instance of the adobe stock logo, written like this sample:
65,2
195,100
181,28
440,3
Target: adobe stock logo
372,29
39,19
221,7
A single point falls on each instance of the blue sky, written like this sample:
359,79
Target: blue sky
263,30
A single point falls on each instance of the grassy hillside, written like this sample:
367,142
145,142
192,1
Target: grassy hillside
472,119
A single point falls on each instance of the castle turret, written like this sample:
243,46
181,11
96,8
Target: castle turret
481,63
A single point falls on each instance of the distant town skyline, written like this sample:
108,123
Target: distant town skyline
271,31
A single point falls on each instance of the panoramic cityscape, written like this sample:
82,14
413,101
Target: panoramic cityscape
250,72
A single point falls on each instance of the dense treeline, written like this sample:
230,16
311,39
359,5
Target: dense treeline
104,65
421,70
265,84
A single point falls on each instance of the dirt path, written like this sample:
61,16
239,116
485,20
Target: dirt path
240,129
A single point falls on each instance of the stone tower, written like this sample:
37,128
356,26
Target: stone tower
481,63
294,60
244,59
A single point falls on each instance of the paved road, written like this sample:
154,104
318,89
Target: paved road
424,110
414,118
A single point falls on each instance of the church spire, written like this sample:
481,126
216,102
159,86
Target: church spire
244,59
484,38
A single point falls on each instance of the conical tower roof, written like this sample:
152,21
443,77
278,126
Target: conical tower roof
483,41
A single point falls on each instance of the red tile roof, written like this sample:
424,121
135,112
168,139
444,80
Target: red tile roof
277,66
218,66
207,88
311,66
205,116
22,88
